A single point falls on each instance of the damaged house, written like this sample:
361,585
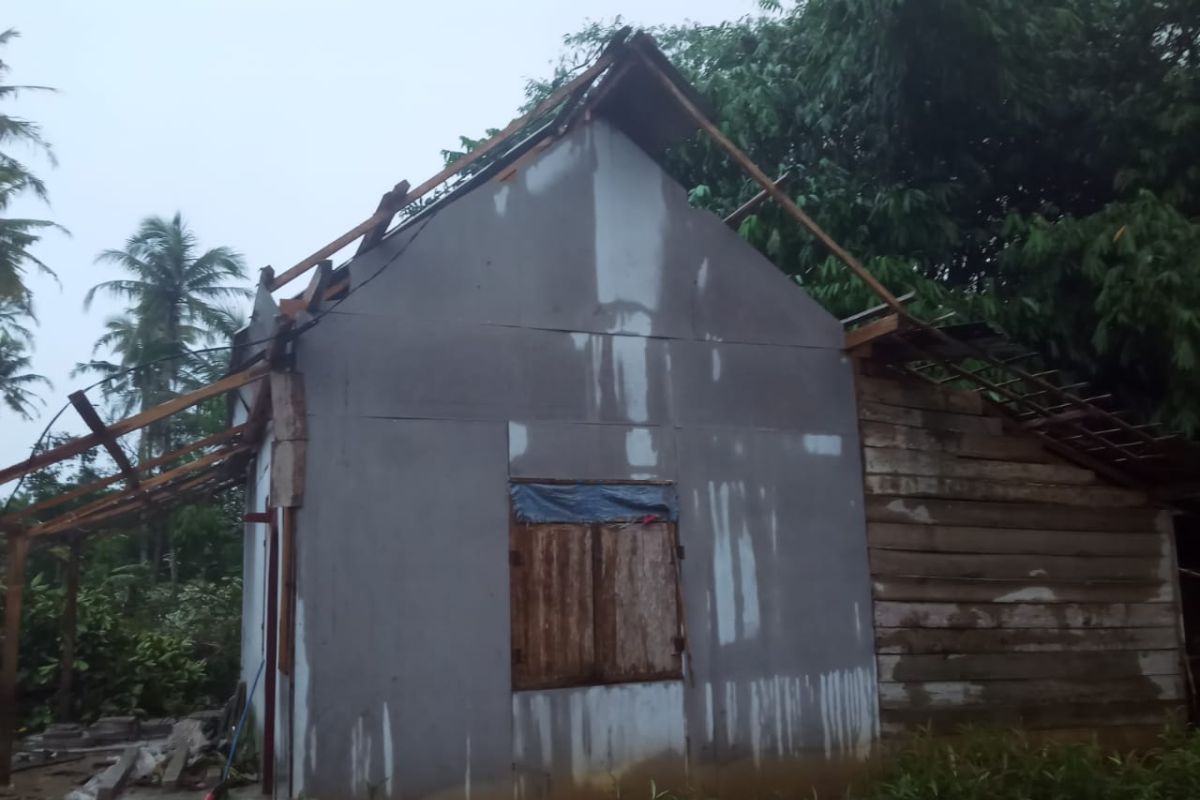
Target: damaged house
558,485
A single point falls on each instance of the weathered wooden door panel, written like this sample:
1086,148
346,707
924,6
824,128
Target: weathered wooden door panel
637,612
552,612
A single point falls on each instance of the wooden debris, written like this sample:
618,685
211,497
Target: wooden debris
113,779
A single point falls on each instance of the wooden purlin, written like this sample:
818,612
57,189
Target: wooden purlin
84,443
148,492
95,486
211,482
384,216
750,206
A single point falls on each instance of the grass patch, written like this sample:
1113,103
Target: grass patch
991,765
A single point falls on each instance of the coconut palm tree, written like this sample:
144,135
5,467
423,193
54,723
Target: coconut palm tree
18,236
175,297
16,381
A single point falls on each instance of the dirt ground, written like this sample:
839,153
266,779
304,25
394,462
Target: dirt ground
54,781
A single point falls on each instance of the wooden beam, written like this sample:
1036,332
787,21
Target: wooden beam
84,443
209,483
770,188
884,326
314,293
267,771
95,486
750,206
290,435
88,413
287,597
69,616
18,551
78,516
383,217
113,779
393,201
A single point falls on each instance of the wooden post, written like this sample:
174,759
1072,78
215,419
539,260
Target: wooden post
18,550
272,626
70,611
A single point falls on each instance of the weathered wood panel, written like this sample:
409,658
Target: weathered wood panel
1010,587
890,614
637,615
898,461
1010,666
1007,515
989,491
986,565
974,590
961,694
1024,640
929,420
913,395
970,445
960,539
551,602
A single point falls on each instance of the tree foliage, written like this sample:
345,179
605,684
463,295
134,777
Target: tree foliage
1035,163
18,236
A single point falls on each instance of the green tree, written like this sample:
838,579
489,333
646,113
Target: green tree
175,295
16,381
18,236
1034,163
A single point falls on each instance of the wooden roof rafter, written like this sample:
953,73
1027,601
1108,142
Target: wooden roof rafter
22,514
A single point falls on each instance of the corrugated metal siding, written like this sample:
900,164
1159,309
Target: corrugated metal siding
1009,587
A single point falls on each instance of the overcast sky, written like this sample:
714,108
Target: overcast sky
273,125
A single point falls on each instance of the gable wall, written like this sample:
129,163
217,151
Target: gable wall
1010,587
575,318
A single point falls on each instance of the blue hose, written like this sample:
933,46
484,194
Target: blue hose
237,732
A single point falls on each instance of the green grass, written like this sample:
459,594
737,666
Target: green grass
981,765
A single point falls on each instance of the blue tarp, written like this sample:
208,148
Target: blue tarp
594,502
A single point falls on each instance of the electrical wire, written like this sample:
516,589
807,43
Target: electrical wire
291,337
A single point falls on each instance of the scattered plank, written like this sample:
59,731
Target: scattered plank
1023,615
1028,666
113,779
988,491
1007,515
1024,640
965,539
175,763
1010,566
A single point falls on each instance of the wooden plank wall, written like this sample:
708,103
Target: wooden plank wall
1010,587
